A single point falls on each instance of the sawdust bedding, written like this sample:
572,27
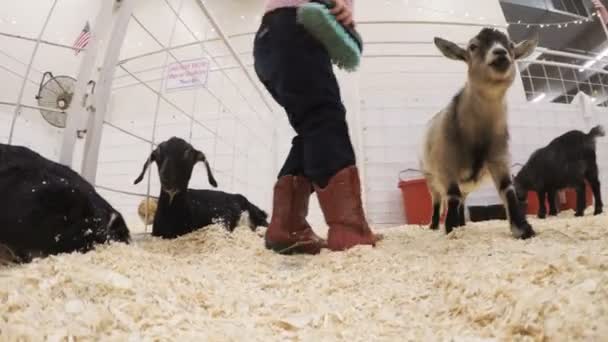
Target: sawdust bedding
478,284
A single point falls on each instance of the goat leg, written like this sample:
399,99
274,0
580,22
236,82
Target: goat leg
581,200
542,205
436,215
594,182
454,201
436,200
461,218
552,202
520,228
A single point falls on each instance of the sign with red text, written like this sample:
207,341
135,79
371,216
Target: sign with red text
185,75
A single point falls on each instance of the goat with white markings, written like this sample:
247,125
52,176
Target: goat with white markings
468,140
47,208
181,210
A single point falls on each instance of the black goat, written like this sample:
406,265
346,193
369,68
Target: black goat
47,208
181,210
567,161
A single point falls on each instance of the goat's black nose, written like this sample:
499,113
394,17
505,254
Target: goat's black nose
500,52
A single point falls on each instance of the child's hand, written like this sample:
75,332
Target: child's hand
343,13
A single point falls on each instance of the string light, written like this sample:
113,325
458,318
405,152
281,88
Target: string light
556,25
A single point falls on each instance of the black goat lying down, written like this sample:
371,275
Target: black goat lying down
567,161
181,210
47,208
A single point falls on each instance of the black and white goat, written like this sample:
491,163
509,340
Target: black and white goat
567,161
46,208
468,140
181,210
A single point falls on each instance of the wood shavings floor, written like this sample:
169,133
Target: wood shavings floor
477,284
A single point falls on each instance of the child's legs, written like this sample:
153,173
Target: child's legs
297,71
294,164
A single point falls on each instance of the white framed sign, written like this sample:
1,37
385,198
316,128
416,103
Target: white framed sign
188,74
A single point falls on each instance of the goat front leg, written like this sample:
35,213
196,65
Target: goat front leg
461,211
542,209
581,199
436,200
454,201
520,227
553,202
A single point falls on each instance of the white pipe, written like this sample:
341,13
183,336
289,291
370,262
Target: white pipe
213,59
165,49
160,78
104,89
127,132
55,110
42,41
564,65
425,22
234,53
27,73
77,111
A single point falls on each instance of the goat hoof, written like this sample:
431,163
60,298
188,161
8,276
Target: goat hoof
598,211
542,216
448,230
553,213
523,232
434,226
579,214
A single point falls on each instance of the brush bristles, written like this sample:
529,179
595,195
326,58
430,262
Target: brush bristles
319,22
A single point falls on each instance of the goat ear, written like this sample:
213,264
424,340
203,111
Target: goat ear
201,157
451,50
525,48
150,159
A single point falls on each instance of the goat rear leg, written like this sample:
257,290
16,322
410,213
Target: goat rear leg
594,182
581,200
552,202
452,219
520,228
542,209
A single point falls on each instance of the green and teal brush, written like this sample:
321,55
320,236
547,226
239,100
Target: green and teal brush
343,44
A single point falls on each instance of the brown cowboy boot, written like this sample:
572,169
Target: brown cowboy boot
343,210
288,232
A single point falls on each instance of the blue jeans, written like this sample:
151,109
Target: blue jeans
297,71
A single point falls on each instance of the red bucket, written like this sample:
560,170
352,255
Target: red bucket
533,203
571,198
417,203
566,198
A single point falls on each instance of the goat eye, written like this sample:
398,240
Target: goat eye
512,46
473,47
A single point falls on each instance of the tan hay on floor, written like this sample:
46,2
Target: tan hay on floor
477,284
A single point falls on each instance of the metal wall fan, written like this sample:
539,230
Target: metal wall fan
55,92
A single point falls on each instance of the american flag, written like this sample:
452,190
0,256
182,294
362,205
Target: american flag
603,13
83,39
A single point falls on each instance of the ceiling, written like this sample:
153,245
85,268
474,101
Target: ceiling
586,38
